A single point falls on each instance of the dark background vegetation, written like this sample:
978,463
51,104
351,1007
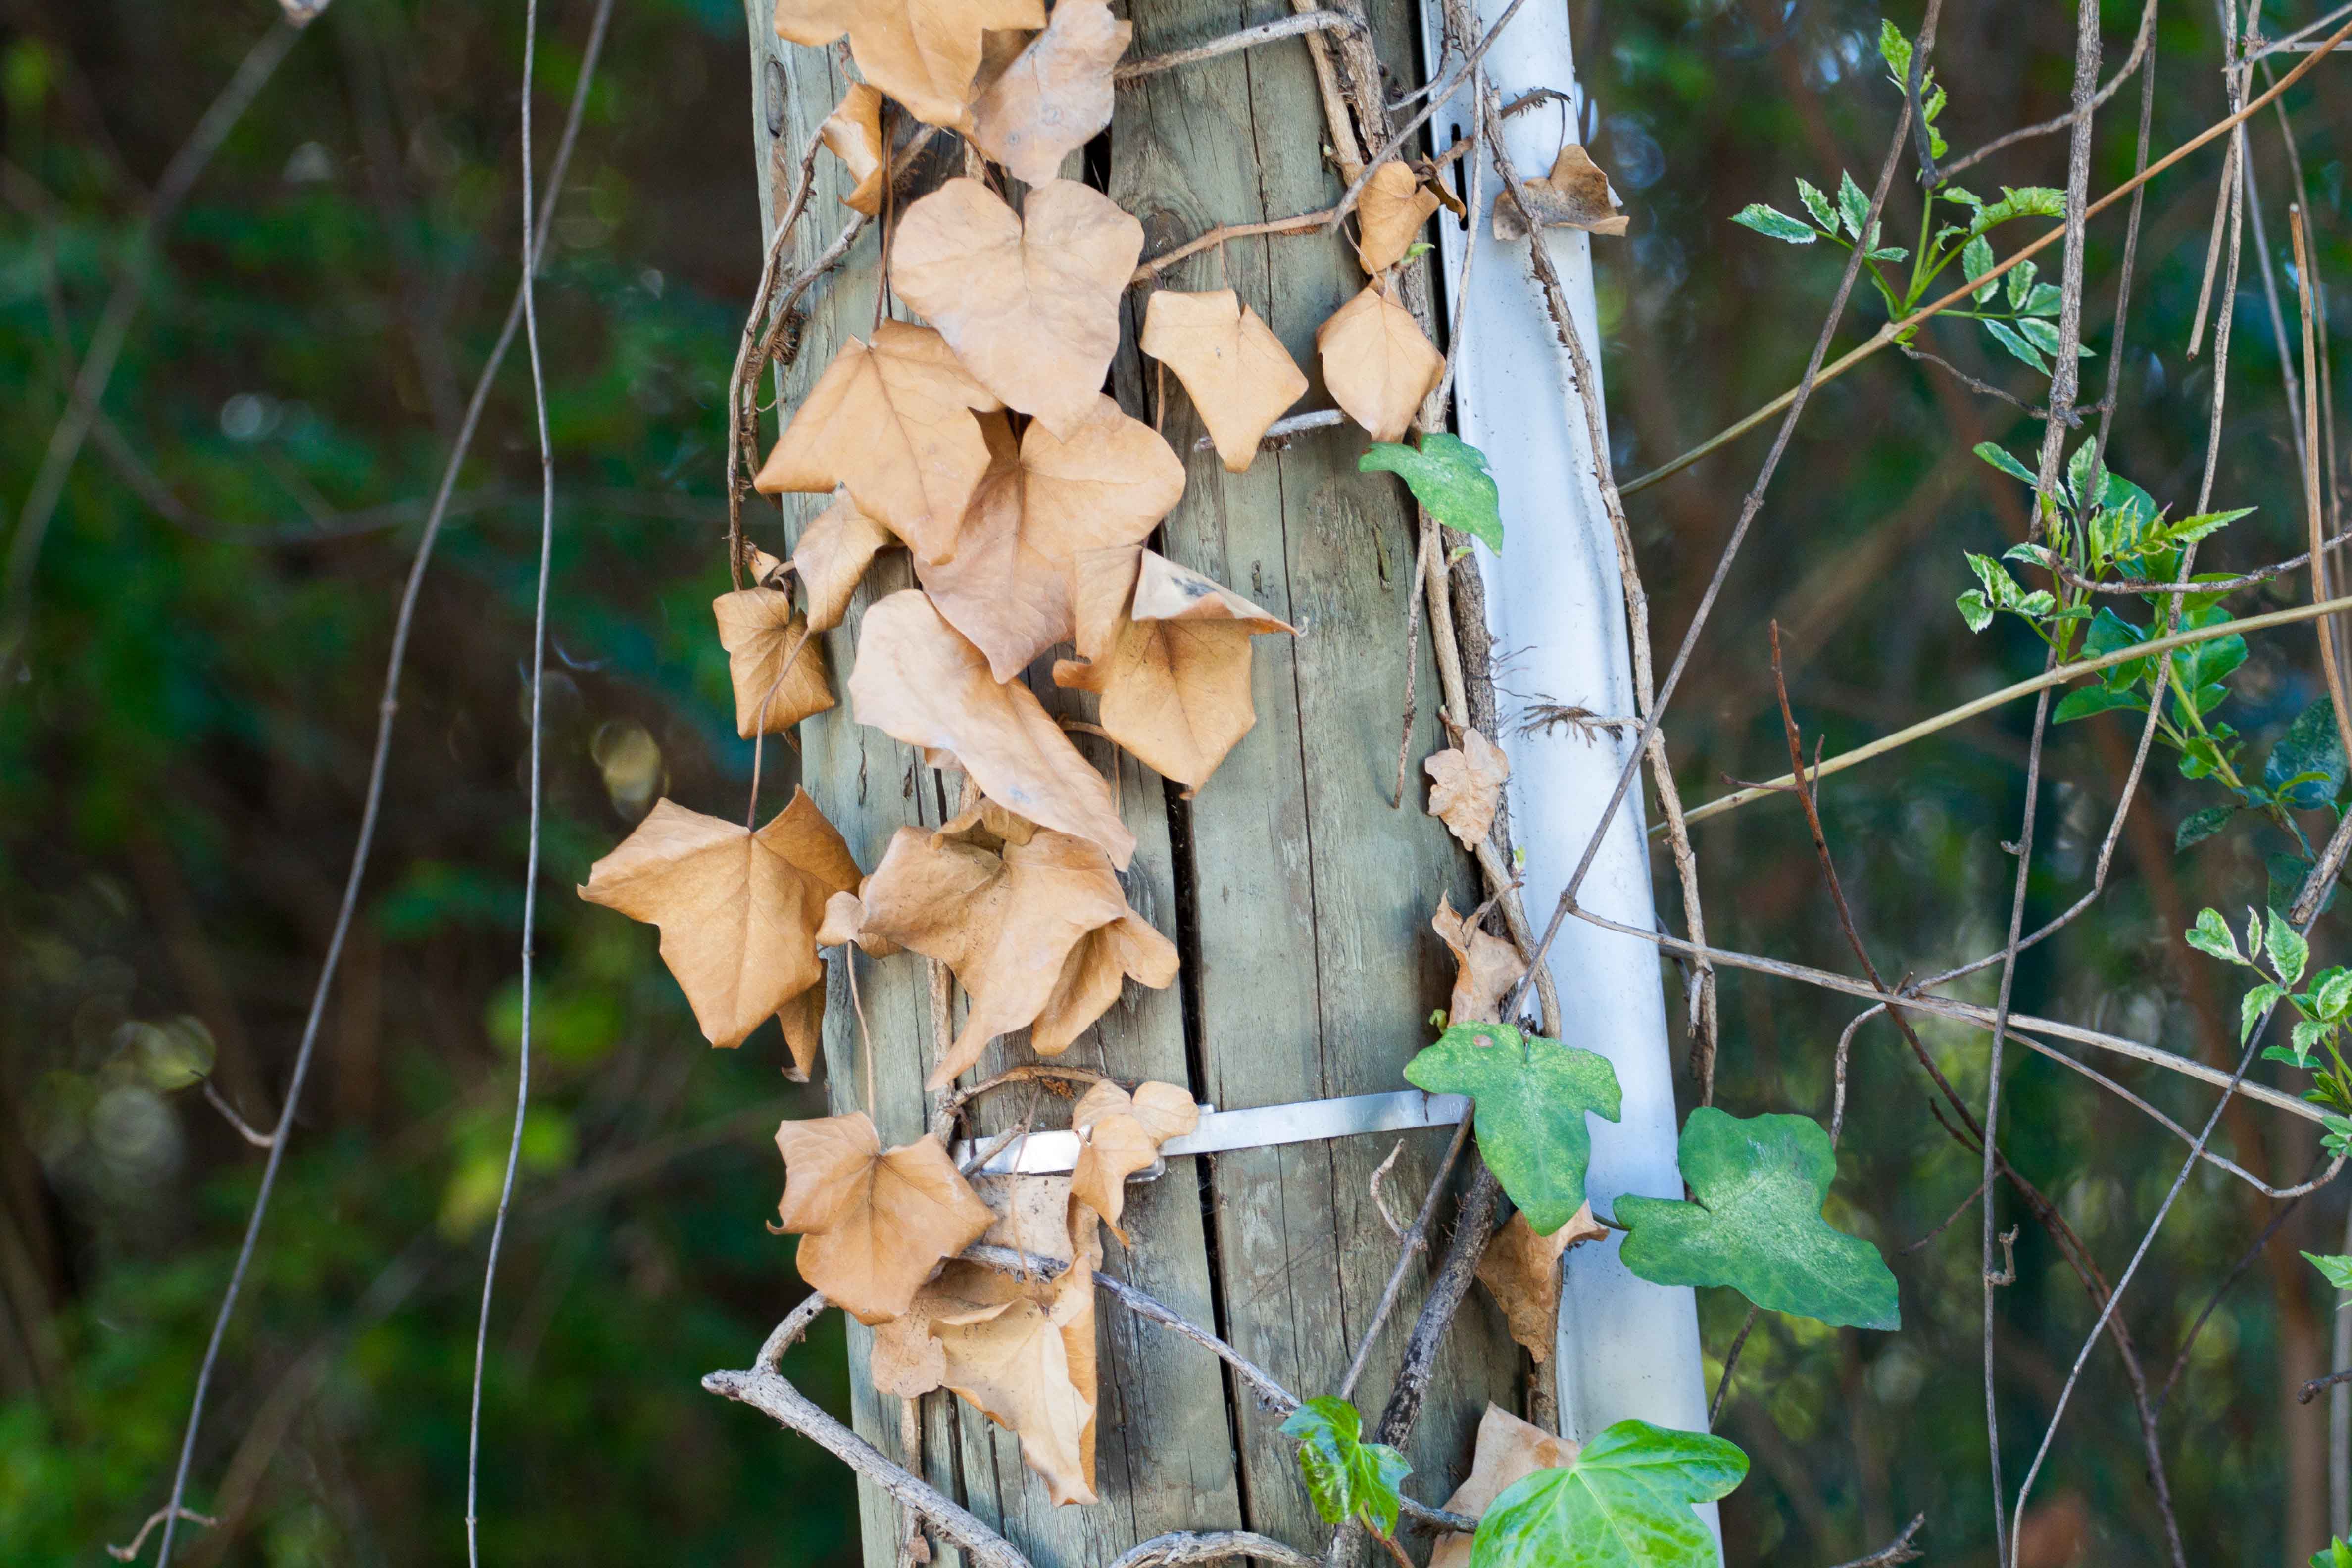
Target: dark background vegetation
181,767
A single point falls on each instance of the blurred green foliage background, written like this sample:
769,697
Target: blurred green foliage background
184,748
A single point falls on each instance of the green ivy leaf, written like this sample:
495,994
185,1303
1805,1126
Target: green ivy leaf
1755,1223
2198,826
2338,1269
1627,1502
1346,1477
1774,224
2307,769
1532,1097
1449,476
1817,202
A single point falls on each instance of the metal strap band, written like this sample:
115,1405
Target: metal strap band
1261,1127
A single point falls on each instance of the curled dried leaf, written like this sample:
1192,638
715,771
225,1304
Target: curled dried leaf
1508,1450
1391,212
1486,966
738,910
1522,1269
775,659
1023,1353
1095,973
872,1224
1029,300
1378,362
1055,95
1007,588
1575,194
1168,650
833,552
1121,1134
921,52
918,678
1003,914
853,133
1466,785
893,420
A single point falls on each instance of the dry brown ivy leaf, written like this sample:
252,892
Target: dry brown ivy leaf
1168,651
1235,370
921,52
738,910
1093,976
1486,966
1378,362
1033,1212
1391,211
844,922
833,552
1575,194
775,659
1466,783
1023,1353
894,420
853,134
1053,97
1008,586
873,1225
921,680
1030,301
1001,914
1522,1269
904,1360
1508,1450
1121,1134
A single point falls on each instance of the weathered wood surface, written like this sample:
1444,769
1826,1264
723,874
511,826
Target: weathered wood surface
1299,897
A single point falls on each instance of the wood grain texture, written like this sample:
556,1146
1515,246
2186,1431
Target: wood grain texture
1298,895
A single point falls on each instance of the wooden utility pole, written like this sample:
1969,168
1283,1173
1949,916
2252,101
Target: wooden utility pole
1298,893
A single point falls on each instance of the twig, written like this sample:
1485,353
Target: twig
1730,1360
2318,1385
1184,1546
1474,1226
1942,1225
1277,435
2237,1272
2057,675
1415,1242
1898,1549
1247,38
1218,236
1985,388
130,1553
370,811
2060,123
536,788
1438,96
2331,656
952,1106
770,1394
1892,330
245,1129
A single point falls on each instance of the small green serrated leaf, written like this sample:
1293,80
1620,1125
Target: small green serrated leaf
2289,952
1449,476
2211,935
1774,224
2083,702
1346,1477
2332,992
1817,202
2335,1553
1853,206
1628,1501
1754,1223
1532,1097
2006,336
1976,260
2005,463
1974,610
2306,767
2253,1006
